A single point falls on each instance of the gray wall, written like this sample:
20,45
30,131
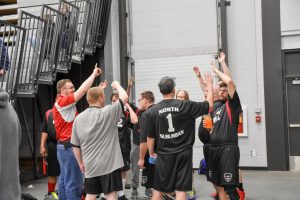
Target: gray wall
246,65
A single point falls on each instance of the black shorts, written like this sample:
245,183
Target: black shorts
225,162
104,184
174,172
53,165
126,159
148,173
207,149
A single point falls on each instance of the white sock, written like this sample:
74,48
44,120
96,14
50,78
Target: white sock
120,193
102,195
123,182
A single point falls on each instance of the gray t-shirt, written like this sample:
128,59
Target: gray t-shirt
96,132
10,138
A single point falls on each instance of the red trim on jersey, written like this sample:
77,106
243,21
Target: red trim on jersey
137,112
126,114
229,112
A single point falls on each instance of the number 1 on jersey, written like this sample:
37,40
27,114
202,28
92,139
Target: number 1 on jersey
170,122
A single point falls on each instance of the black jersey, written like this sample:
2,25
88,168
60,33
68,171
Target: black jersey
143,125
225,119
124,126
172,124
203,133
136,131
48,127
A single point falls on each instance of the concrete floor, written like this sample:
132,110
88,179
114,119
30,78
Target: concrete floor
259,185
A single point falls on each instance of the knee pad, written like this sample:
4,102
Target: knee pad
232,193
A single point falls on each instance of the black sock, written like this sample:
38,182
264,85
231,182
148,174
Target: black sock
232,192
240,186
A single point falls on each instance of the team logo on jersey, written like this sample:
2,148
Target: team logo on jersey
217,115
228,177
144,179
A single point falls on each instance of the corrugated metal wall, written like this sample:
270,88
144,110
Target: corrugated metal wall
170,37
290,24
149,72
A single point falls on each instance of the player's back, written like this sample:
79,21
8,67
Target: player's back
172,123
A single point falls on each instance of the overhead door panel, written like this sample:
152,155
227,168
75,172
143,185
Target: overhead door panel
150,71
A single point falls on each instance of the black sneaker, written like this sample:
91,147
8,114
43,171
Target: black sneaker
127,186
148,193
135,194
122,198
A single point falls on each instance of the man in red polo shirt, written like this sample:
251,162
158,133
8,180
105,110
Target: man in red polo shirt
64,112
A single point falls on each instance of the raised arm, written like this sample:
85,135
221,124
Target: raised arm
226,79
129,85
82,90
209,84
200,79
222,61
122,93
133,116
103,84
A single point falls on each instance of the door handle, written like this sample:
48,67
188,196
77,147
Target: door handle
294,125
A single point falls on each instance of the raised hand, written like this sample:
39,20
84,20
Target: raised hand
221,58
213,66
200,79
97,71
130,81
103,84
197,71
198,74
115,84
208,79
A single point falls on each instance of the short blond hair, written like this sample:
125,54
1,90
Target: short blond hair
93,94
61,83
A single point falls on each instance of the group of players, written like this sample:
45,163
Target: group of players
163,138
